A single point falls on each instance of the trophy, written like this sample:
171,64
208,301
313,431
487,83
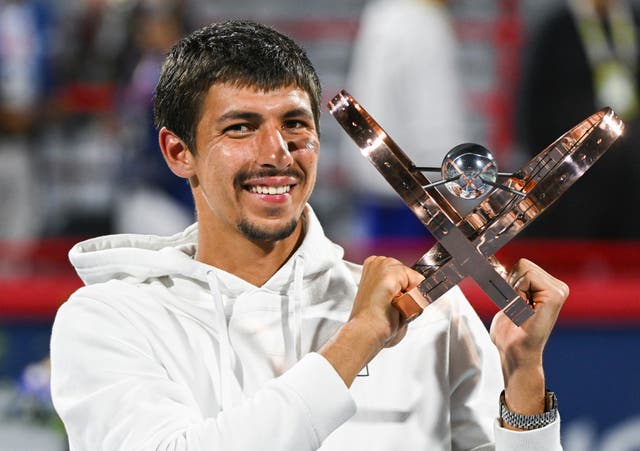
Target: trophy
510,201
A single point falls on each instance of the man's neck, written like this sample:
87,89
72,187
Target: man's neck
254,262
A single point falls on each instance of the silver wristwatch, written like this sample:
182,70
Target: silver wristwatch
529,422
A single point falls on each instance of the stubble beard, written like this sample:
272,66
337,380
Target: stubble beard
258,234
253,231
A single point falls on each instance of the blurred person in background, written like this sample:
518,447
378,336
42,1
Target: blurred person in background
404,72
582,57
25,77
82,150
150,198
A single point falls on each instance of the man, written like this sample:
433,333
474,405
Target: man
248,330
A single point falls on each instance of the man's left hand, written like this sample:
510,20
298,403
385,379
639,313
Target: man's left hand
521,348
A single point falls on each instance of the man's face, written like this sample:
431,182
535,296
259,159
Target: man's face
255,161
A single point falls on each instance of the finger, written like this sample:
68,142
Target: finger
405,277
414,277
530,279
539,287
520,268
384,275
370,260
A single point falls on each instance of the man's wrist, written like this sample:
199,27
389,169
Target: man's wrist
513,366
525,388
517,421
350,349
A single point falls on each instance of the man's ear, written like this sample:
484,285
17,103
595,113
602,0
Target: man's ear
176,153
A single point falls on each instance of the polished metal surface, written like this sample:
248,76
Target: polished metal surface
466,245
469,170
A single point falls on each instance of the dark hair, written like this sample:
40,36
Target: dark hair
242,53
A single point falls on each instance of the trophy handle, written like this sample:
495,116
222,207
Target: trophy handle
410,304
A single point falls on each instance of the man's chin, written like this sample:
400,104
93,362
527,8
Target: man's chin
259,233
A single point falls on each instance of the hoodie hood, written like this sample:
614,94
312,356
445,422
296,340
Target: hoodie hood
136,258
140,259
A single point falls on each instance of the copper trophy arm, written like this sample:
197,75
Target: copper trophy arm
466,245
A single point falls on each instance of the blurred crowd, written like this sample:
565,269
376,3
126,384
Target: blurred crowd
79,154
76,83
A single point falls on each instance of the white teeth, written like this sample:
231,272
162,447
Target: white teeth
270,189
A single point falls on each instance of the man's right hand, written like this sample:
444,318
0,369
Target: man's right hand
374,323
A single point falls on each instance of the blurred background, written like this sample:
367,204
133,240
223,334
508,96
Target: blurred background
78,158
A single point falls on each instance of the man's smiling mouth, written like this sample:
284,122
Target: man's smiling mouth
271,182
263,189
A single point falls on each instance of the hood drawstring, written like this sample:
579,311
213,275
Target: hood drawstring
228,389
298,305
225,366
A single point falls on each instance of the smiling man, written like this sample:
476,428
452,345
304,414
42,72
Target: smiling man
248,330
252,166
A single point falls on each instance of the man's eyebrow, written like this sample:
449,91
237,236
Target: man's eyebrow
297,112
238,114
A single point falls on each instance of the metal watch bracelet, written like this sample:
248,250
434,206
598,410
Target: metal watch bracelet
530,422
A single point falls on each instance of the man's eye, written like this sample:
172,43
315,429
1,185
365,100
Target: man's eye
295,124
238,129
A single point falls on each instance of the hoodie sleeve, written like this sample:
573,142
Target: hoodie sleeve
112,394
475,383
543,439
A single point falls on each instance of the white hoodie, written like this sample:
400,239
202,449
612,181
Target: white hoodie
162,352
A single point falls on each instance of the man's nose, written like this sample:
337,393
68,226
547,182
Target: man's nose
273,150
